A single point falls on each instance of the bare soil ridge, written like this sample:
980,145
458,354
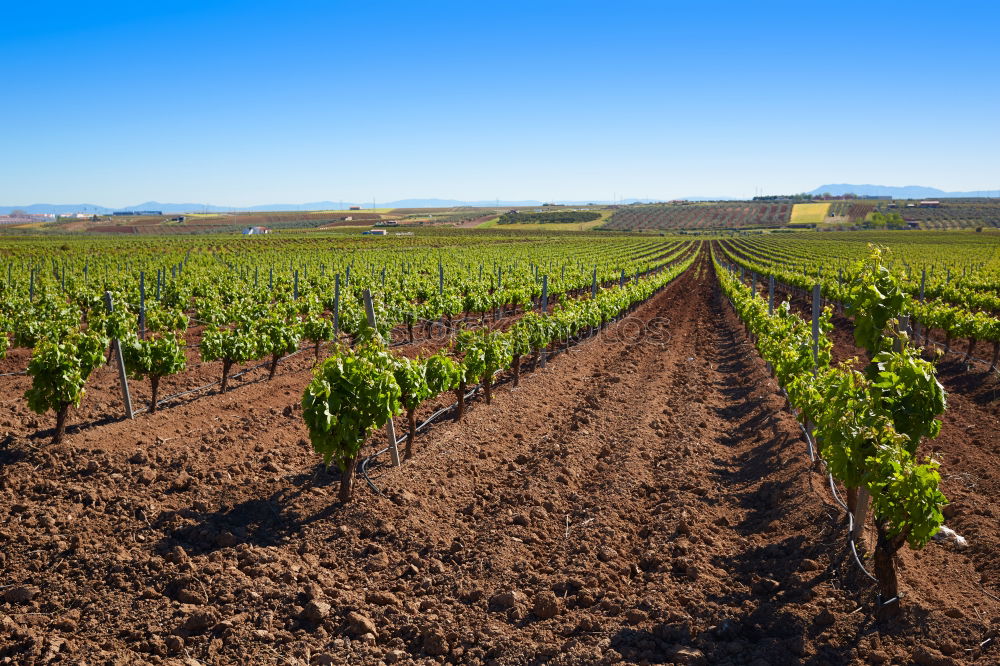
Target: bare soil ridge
641,500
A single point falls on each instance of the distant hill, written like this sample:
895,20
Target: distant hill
906,192
171,208
58,209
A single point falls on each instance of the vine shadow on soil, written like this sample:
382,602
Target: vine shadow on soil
766,489
74,428
10,453
260,521
747,410
978,385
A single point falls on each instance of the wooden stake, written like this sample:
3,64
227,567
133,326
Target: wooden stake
390,428
122,375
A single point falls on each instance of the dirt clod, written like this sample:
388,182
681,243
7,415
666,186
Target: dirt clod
679,522
546,605
316,611
507,599
359,624
200,620
435,643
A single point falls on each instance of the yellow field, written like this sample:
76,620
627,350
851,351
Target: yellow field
810,212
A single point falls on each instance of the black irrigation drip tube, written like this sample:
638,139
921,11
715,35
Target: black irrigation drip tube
174,396
363,467
366,463
811,443
448,328
792,289
207,386
813,455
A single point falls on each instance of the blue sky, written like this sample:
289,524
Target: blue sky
240,103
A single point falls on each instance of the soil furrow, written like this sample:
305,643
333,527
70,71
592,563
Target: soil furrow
643,499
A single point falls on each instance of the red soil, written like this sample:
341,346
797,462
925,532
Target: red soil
643,499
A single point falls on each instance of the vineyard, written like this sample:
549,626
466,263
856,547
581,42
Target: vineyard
197,223
496,447
952,281
948,213
691,216
852,212
695,216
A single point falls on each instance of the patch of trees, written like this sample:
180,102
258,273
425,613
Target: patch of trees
798,198
887,221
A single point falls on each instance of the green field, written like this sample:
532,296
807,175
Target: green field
583,226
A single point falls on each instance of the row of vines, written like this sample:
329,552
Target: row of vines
868,423
951,280
356,391
246,300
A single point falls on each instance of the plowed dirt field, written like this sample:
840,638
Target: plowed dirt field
642,499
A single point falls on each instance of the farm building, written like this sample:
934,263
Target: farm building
256,231
374,232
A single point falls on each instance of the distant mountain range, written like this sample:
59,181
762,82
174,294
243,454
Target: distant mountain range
906,192
172,208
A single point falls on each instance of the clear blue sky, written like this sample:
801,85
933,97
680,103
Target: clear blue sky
239,103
